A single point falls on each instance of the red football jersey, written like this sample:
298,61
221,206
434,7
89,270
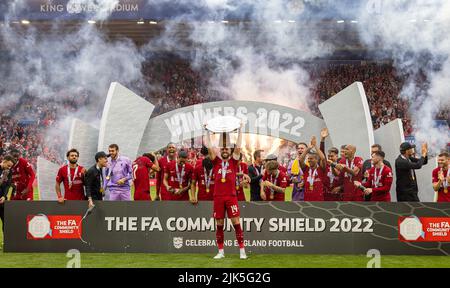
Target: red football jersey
174,182
442,195
199,161
282,169
199,177
160,189
227,188
76,192
380,183
141,172
23,177
351,193
242,168
280,181
330,182
315,184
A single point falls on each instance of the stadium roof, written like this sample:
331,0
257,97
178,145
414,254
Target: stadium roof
236,10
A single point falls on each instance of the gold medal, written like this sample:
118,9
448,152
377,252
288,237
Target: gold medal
237,187
207,190
107,177
311,187
224,180
445,190
102,190
181,186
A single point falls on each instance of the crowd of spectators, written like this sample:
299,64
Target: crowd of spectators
174,84
380,81
29,126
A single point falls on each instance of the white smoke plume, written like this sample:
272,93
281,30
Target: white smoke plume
416,35
254,60
76,65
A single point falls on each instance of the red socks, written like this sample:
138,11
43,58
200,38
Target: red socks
237,230
219,236
239,235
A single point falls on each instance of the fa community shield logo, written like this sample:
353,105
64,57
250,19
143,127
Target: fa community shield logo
411,229
178,242
39,226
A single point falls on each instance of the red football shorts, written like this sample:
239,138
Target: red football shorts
142,196
228,204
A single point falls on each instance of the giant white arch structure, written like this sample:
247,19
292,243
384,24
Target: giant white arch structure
126,121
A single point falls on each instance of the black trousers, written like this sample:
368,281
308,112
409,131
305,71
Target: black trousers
255,197
2,216
408,196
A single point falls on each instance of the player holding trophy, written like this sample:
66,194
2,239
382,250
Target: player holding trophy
225,169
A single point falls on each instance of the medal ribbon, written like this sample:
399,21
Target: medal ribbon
179,176
331,175
311,176
445,180
351,165
274,182
207,178
108,177
74,175
377,178
237,177
224,169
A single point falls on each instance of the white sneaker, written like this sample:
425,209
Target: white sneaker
243,255
219,256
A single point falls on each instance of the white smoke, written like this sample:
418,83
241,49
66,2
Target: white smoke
61,65
416,35
255,60
68,63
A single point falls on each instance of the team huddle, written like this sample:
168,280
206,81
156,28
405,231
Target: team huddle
220,175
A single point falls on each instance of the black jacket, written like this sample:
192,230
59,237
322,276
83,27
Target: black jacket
93,180
407,189
254,183
4,185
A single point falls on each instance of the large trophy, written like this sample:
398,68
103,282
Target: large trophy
224,125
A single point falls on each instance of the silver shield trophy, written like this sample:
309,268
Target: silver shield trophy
223,125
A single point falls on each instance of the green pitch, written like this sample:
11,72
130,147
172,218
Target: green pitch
88,260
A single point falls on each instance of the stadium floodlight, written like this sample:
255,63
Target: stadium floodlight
291,21
225,21
140,22
354,21
153,22
211,22
277,21
340,21
25,22
426,20
91,21
413,20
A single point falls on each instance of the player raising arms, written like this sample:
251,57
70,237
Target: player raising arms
315,173
225,197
